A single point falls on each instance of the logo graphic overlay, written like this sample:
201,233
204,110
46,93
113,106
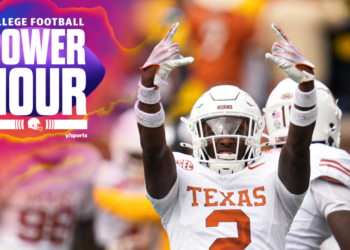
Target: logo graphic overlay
47,71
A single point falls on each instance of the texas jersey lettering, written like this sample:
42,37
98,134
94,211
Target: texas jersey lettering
227,211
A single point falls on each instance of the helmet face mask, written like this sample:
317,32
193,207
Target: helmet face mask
226,127
225,137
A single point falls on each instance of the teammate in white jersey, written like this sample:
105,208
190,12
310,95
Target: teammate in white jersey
254,202
124,171
46,193
326,207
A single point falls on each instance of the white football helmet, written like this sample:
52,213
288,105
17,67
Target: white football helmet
278,108
34,123
125,147
126,151
225,112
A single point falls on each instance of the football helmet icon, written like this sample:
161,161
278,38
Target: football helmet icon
35,124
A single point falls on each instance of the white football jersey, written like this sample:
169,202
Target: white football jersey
250,209
41,204
310,227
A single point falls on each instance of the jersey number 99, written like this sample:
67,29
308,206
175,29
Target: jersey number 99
39,225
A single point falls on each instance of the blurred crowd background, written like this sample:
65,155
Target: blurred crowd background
89,194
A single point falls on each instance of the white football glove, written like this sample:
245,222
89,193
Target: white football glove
166,55
287,56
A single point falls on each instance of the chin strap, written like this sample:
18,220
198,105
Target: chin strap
265,136
226,168
186,145
265,144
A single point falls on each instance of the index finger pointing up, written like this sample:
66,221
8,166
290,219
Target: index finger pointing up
279,32
171,33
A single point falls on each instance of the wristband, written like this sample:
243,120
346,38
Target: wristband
303,118
305,99
148,95
149,120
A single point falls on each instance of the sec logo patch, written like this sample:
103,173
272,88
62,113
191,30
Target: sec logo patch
185,164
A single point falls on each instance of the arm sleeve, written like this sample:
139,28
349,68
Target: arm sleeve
165,206
132,206
290,202
330,197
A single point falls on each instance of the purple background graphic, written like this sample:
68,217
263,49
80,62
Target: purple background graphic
93,68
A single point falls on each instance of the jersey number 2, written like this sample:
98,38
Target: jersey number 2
243,226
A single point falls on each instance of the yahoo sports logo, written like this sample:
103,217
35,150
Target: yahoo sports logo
45,72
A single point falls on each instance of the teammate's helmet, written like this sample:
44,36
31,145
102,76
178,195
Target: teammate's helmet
223,110
278,108
126,151
35,124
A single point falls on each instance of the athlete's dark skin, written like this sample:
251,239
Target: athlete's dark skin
159,162
225,144
339,222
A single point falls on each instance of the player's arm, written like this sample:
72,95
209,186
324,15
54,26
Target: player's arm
159,163
294,162
333,201
339,223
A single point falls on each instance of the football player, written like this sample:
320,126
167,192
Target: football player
193,194
118,183
326,208
46,194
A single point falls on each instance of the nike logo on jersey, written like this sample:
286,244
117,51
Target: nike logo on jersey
214,197
251,168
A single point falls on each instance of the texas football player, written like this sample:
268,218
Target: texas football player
193,194
326,208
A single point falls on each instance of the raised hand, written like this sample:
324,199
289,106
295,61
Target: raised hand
287,56
166,55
